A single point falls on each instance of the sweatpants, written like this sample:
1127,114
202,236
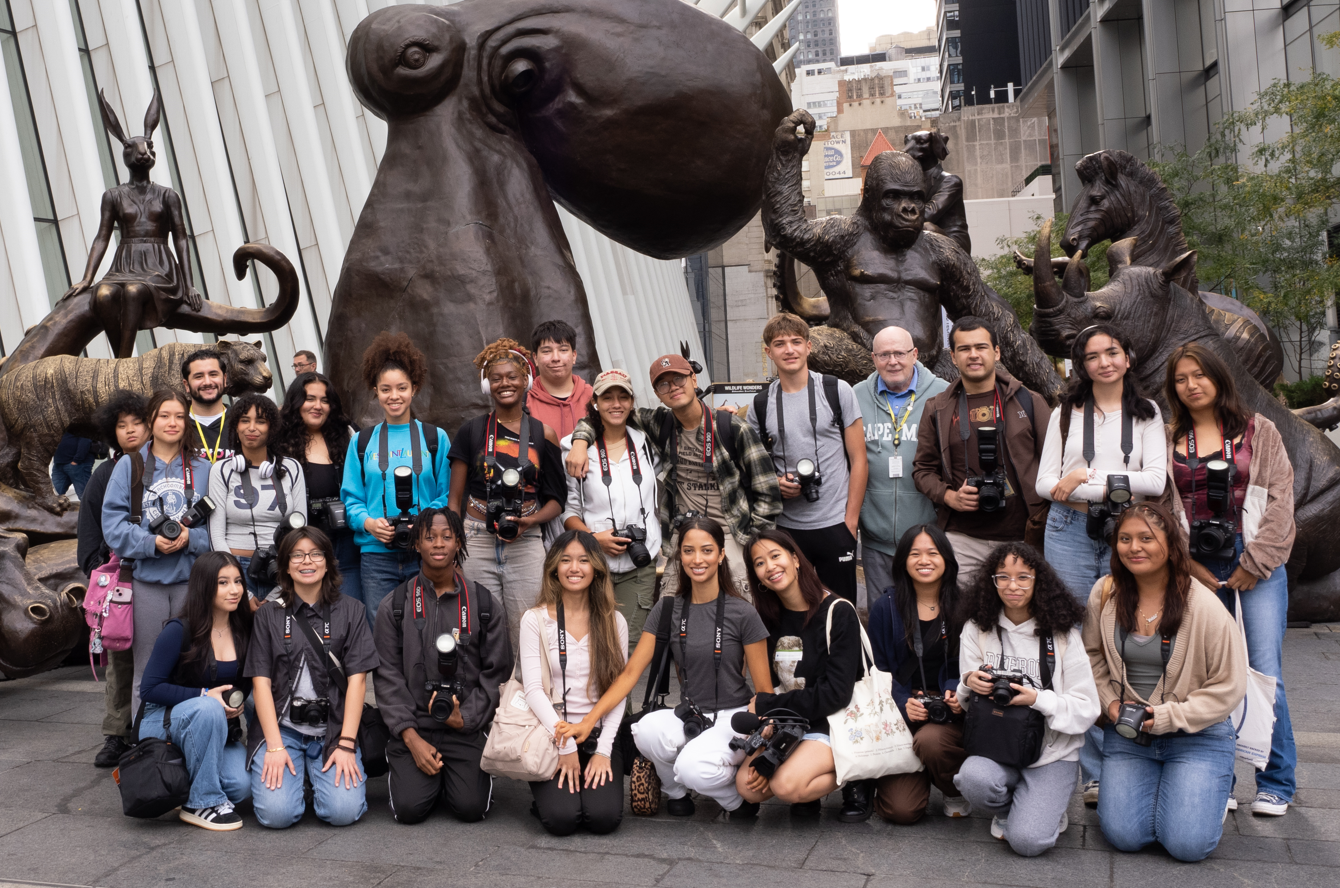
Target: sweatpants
155,604
120,677
735,556
511,571
832,551
971,554
1033,799
902,798
705,765
599,808
466,788
878,569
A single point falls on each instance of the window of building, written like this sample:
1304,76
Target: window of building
955,73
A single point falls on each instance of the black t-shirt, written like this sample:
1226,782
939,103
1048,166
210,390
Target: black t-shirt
544,479
932,657
323,480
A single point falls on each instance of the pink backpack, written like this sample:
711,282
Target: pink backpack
109,610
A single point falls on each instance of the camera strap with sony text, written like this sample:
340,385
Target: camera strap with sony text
334,670
716,649
562,656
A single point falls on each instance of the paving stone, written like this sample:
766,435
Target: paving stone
81,850
1131,869
539,863
692,873
60,788
35,741
35,705
1300,823
1309,852
12,819
224,869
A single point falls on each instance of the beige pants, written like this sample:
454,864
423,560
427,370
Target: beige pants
971,554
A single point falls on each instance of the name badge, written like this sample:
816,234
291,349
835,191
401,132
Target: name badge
896,466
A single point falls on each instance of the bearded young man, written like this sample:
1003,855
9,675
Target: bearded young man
206,380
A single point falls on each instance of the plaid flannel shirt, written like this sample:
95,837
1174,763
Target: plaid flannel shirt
750,496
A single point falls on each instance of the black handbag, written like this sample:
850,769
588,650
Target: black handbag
1012,736
373,734
152,774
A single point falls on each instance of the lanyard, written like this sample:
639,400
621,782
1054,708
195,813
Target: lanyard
781,421
716,649
384,457
1193,463
898,424
608,478
212,456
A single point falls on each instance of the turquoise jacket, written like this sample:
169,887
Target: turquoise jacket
363,493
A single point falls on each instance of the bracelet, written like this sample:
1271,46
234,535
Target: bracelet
352,740
274,749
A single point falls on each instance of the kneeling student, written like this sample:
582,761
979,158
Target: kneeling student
799,613
443,653
1022,617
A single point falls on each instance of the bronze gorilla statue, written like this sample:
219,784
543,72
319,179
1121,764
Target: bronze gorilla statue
650,121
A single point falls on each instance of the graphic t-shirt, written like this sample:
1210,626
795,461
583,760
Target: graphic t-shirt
696,487
543,480
207,433
1007,523
789,652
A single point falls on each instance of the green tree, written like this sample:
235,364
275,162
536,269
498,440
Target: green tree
1016,287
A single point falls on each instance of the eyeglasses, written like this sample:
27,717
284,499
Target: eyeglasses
1023,581
314,557
666,383
885,357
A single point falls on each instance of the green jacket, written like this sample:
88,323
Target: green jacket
892,505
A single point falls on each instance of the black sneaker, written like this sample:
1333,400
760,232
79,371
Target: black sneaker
807,810
680,807
746,811
858,798
220,818
113,748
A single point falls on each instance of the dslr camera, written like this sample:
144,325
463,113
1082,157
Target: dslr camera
807,475
991,484
1001,679
678,521
694,721
637,544
402,527
442,705
328,514
777,745
937,710
591,744
1216,537
263,571
1102,519
306,711
504,507
1131,718
196,516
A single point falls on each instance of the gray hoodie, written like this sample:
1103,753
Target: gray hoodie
892,505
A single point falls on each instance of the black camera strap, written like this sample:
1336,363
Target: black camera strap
1193,463
1165,653
253,499
187,475
1127,434
716,648
491,466
781,421
562,656
384,456
321,643
607,477
919,648
965,430
1046,656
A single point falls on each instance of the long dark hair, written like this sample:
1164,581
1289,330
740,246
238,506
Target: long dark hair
767,602
905,593
330,584
197,612
1133,399
161,397
265,409
1054,609
1228,404
1125,589
724,579
607,660
290,439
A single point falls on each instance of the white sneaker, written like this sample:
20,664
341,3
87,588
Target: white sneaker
1065,824
1269,805
1232,804
1091,793
998,828
957,806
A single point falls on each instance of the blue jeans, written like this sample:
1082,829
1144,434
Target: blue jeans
1079,562
254,590
199,728
65,476
350,561
381,573
1174,791
282,807
1264,614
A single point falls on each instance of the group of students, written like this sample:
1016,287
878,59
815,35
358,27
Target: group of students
567,493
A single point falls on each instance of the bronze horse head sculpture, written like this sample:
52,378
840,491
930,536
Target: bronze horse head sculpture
650,121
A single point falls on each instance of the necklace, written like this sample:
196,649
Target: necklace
1152,617
930,607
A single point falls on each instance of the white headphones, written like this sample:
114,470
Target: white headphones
266,467
484,380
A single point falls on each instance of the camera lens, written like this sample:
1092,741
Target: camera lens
235,698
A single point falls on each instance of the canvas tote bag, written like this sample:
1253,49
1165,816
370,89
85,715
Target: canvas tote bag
1254,719
518,746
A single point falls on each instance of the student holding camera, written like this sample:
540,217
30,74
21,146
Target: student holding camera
690,745
260,494
618,505
443,653
309,662
1030,696
1170,667
1232,472
392,470
577,628
193,690
155,513
821,463
978,448
507,483
314,430
814,642
914,634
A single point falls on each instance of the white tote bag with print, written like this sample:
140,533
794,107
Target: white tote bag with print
869,737
1254,719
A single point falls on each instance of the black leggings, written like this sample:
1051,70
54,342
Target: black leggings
599,808
832,551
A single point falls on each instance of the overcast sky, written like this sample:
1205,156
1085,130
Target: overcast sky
864,20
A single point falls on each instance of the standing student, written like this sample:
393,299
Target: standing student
711,678
167,478
810,420
310,656
509,550
1210,422
1021,616
619,493
314,430
814,644
435,750
120,425
558,397
255,490
206,380
196,664
394,369
1169,664
914,635
892,401
576,627
72,464
950,449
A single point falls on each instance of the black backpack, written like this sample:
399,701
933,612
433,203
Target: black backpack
430,439
760,409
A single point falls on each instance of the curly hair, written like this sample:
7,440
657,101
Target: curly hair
291,438
122,403
1054,610
500,352
394,351
265,409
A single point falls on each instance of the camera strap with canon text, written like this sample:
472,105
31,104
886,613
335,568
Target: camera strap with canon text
716,649
1193,462
608,478
491,467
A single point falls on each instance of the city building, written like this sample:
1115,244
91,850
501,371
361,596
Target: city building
979,52
814,29
905,66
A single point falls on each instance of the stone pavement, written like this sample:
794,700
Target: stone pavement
61,823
